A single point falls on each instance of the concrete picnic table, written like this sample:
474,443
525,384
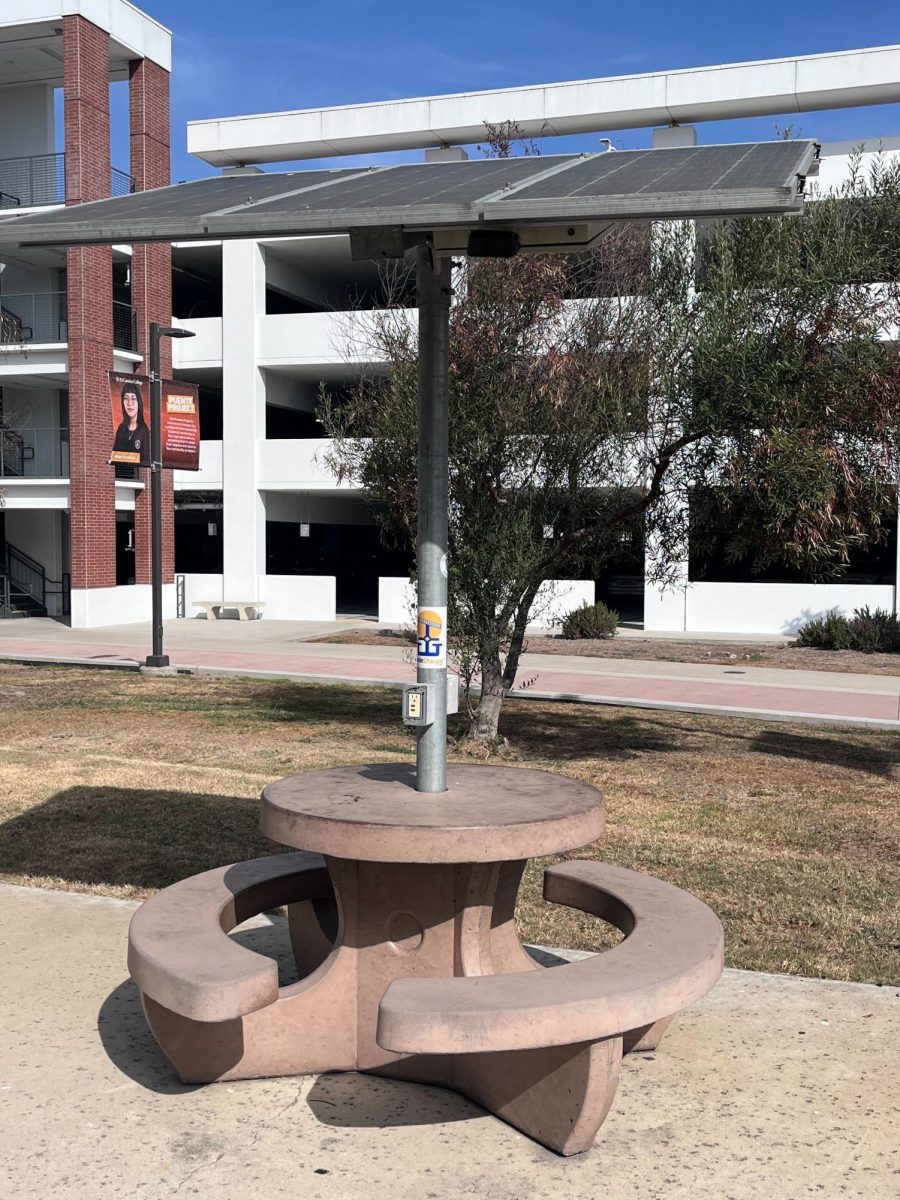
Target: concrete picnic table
401,908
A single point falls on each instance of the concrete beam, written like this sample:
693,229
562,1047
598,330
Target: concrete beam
133,34
843,79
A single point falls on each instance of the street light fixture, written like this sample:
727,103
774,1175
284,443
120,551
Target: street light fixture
157,331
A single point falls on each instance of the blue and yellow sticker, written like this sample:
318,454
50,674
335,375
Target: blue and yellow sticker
432,637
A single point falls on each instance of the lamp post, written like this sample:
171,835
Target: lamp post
157,331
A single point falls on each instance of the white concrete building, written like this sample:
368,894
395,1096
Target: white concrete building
275,321
283,325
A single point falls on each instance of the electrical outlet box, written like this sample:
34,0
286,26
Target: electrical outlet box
419,701
418,704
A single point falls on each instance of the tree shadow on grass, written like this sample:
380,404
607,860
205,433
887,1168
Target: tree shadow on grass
573,733
865,756
310,703
130,838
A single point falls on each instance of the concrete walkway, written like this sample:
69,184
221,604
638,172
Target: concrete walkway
283,648
772,1086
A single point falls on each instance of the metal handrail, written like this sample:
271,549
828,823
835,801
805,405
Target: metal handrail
43,317
34,180
125,326
28,575
34,452
12,453
33,317
24,576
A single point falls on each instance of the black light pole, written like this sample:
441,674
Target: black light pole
157,331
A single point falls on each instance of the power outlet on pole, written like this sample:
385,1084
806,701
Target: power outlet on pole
418,704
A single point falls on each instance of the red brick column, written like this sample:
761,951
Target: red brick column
151,280
89,286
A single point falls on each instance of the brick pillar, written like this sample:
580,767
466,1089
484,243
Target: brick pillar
89,275
151,281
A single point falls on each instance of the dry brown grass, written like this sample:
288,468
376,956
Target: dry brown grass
749,654
115,784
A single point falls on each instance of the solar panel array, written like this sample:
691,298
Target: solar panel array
682,182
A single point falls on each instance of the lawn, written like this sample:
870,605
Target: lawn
116,784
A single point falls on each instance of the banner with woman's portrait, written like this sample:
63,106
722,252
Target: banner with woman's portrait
130,398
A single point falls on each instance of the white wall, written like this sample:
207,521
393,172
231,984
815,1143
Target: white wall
243,418
665,609
93,607
776,608
204,349
319,340
286,597
296,463
318,508
27,125
209,477
397,600
297,597
201,587
558,597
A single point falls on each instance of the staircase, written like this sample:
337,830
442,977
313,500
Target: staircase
16,603
24,586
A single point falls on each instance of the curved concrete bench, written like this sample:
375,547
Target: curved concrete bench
672,954
179,952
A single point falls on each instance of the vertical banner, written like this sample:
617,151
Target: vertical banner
130,401
180,426
432,637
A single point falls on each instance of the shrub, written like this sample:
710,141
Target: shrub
875,632
869,632
590,621
831,632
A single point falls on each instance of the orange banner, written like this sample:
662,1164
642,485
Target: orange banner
130,399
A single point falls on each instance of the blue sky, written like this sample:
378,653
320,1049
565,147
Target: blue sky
235,56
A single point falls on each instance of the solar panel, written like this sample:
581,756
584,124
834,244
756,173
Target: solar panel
682,182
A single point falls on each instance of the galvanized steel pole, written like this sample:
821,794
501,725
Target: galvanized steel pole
433,297
157,658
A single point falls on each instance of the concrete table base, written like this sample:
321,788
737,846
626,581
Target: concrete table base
442,923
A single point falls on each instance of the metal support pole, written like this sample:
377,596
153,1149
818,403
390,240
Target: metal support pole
433,296
157,658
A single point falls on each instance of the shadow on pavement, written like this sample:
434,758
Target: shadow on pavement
129,1043
349,1100
127,1039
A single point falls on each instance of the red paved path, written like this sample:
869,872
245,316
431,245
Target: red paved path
594,684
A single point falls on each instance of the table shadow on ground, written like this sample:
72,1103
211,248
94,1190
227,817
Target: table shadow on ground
351,1100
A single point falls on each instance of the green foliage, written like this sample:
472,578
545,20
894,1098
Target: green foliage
831,632
870,632
590,621
875,632
591,397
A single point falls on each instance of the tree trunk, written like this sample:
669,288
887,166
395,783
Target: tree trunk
487,715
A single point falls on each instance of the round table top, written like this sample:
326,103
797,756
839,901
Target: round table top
487,814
